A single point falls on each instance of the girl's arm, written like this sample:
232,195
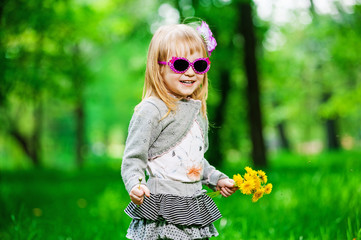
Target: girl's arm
141,132
217,180
211,175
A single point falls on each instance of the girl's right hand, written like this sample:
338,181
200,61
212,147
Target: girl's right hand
137,194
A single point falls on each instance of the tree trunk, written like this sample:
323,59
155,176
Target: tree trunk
332,140
180,10
31,145
35,139
253,93
80,132
312,9
79,112
37,132
215,155
282,136
281,131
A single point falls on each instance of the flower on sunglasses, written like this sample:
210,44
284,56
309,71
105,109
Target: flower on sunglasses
207,35
252,182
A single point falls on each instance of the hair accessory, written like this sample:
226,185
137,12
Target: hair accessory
207,35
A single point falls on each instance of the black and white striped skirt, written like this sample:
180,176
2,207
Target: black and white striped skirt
178,215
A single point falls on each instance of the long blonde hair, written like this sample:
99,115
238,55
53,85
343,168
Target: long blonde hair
181,39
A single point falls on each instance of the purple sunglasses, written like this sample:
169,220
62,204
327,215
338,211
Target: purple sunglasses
181,65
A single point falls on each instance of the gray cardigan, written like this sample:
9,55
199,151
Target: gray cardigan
150,136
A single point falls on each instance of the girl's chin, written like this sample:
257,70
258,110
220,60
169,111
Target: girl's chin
185,93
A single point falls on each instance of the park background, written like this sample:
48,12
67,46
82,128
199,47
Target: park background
284,96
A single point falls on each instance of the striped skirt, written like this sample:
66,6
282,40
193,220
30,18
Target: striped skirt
184,212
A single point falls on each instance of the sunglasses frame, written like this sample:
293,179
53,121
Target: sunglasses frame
170,63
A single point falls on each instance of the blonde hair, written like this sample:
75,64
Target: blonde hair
180,39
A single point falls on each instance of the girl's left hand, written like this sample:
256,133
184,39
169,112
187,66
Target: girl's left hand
226,187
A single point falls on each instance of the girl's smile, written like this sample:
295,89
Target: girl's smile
187,82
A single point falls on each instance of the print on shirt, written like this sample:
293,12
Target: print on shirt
182,163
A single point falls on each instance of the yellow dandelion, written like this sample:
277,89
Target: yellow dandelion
258,194
250,171
247,187
251,183
238,180
268,188
248,176
262,175
257,183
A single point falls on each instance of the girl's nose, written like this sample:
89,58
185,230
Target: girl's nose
190,72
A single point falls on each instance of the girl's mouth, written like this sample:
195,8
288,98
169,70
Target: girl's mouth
187,82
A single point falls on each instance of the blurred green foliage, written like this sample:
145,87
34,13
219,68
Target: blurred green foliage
73,65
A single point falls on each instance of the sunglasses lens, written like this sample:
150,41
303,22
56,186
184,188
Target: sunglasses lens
181,65
200,65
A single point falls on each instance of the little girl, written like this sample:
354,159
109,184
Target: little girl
168,137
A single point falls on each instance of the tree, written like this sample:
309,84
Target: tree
28,83
331,129
37,39
215,152
246,28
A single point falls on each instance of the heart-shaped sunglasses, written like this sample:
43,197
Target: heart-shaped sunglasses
181,65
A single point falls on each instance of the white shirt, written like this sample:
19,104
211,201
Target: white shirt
182,163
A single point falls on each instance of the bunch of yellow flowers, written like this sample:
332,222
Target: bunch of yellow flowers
253,182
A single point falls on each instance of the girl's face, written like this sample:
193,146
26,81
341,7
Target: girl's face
183,84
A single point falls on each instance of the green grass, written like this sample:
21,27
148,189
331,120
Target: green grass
315,197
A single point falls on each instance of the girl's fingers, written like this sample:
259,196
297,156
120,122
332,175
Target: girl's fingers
226,192
137,200
138,192
230,183
145,190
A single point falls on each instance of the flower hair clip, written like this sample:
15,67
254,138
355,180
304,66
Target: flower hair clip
207,35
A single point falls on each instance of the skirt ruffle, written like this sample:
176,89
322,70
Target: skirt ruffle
154,230
198,210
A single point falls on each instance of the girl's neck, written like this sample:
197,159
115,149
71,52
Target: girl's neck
179,97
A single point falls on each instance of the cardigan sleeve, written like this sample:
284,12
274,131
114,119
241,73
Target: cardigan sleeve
144,128
211,175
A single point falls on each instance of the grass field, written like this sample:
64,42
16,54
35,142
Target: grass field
316,197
